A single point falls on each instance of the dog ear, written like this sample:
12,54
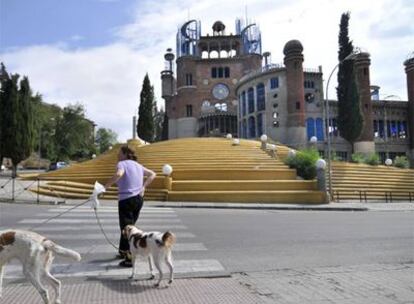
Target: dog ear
143,242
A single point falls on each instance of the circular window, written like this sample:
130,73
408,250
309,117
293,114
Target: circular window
220,91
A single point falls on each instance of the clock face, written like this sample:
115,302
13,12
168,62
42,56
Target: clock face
220,91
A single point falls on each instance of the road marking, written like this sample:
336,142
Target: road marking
180,247
99,236
106,215
112,228
92,220
112,269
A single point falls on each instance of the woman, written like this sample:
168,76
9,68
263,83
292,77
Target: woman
129,177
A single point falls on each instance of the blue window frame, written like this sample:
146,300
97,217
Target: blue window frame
250,100
310,128
252,127
319,129
260,97
244,103
274,82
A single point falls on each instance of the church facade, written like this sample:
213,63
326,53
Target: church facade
224,83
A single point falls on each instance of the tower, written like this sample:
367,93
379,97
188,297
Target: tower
365,142
409,70
201,99
296,131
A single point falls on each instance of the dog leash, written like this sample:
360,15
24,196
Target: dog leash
58,215
103,231
70,209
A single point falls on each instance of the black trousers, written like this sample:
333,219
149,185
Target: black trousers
128,210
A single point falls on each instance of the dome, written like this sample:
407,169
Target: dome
293,45
218,26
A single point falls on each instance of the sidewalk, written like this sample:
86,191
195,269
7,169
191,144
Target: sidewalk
342,206
124,291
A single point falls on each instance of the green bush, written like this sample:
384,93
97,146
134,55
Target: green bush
358,158
304,162
372,159
401,162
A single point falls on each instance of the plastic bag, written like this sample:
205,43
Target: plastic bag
97,190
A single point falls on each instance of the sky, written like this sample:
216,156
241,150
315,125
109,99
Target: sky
97,52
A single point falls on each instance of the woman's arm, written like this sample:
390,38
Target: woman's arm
150,175
119,173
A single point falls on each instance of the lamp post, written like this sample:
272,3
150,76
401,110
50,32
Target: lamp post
328,139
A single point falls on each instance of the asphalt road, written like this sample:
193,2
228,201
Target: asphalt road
280,256
255,240
251,240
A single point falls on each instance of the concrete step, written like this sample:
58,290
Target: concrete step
296,196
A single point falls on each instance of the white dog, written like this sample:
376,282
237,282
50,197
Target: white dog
155,245
35,252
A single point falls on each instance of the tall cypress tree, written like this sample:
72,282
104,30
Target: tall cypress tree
17,120
145,127
4,78
349,114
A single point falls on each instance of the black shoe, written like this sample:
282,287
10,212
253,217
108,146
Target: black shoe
121,256
126,263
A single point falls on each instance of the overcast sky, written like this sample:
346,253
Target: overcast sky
97,51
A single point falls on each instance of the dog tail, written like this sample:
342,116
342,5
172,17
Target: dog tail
62,250
168,239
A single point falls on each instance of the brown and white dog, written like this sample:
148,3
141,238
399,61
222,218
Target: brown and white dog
155,245
35,252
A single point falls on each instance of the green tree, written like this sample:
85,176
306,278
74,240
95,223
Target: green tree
17,119
73,136
349,114
145,127
4,78
105,138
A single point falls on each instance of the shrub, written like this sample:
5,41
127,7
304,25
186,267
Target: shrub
304,162
358,158
372,159
401,162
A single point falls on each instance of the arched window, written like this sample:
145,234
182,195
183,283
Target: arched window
260,97
223,54
319,129
226,72
244,103
213,72
252,127
310,128
204,54
220,72
274,83
214,54
260,124
250,99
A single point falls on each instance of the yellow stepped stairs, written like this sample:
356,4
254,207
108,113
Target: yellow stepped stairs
204,169
360,182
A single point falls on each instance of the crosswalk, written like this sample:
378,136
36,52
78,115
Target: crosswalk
78,230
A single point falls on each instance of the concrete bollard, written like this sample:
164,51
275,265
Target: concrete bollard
321,178
167,171
263,139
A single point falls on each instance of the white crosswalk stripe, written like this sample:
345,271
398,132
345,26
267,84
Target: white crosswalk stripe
78,230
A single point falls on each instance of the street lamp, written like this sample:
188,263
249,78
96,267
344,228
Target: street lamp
351,56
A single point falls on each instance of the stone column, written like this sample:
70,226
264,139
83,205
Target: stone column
296,131
365,142
409,70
